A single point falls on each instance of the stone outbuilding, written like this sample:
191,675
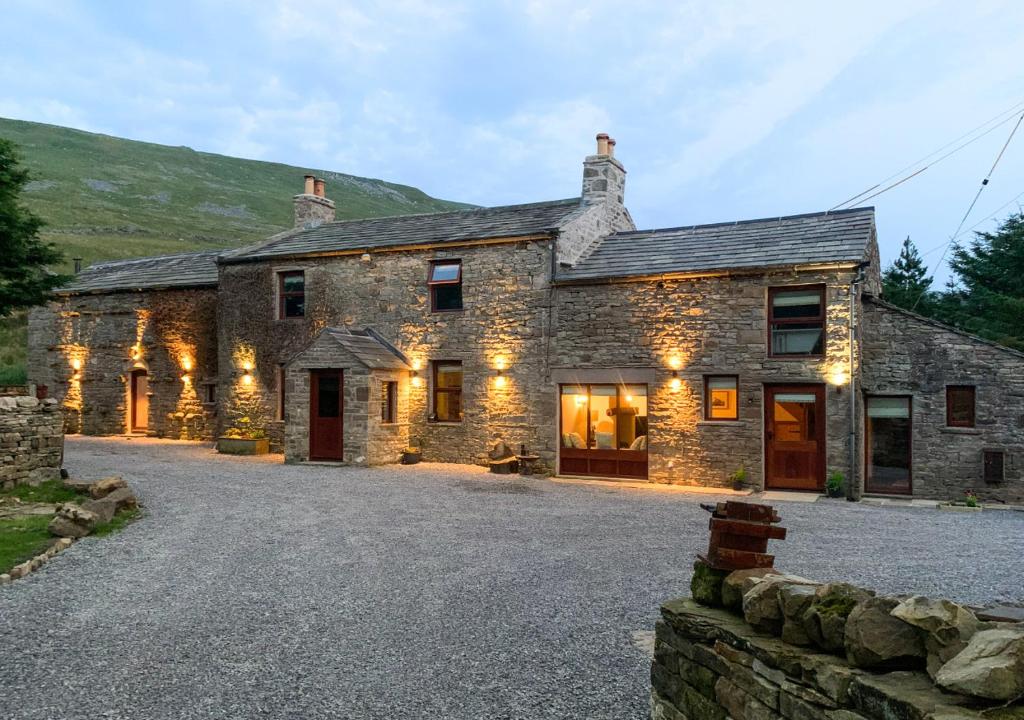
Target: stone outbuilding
347,400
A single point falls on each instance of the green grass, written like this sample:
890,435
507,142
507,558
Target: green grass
117,523
106,198
51,491
22,538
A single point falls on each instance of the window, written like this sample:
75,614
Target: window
889,443
960,406
992,464
292,291
445,282
210,393
721,396
388,398
796,321
447,391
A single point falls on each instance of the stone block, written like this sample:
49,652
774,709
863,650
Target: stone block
991,666
739,582
876,639
825,619
105,486
739,704
945,626
706,584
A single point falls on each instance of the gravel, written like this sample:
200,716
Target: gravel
254,589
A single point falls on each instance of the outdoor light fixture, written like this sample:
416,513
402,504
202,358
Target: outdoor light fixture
186,363
76,364
247,379
675,383
136,352
500,380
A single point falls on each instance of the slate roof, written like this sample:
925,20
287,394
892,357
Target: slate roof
370,348
195,269
841,236
469,224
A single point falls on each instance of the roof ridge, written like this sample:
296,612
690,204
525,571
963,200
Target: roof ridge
458,211
751,221
146,258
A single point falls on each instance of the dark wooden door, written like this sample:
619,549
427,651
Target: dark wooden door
326,409
139,418
794,426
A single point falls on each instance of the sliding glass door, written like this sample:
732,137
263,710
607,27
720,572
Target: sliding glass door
603,430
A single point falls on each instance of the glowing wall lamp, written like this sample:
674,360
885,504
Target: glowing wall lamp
76,365
186,365
247,375
675,362
417,381
838,377
499,371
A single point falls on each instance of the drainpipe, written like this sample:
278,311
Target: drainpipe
853,489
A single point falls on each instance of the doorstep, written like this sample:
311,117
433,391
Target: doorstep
647,485
790,496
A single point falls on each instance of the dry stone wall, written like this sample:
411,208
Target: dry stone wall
109,335
847,655
31,440
905,354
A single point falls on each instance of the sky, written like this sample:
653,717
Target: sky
722,111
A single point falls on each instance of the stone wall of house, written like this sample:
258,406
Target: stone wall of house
844,654
905,354
506,298
387,441
109,335
709,326
31,440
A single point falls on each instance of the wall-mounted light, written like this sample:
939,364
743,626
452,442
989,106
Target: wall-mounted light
186,363
247,379
136,352
838,377
676,382
76,364
247,366
499,379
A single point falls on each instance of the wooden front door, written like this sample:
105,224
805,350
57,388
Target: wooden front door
138,420
794,426
325,415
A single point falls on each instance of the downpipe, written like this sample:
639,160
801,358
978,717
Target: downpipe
853,488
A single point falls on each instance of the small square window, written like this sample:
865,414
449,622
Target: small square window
445,283
721,397
993,462
796,321
388,402
292,292
447,391
960,406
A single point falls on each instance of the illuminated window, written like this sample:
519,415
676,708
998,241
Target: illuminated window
796,318
388,401
447,391
445,282
960,406
721,397
292,292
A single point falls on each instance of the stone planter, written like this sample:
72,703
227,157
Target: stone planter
243,446
959,507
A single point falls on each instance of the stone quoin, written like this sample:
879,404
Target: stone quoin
752,353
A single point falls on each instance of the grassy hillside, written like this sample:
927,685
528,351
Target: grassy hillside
104,198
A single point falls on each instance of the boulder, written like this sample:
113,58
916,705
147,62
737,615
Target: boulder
102,488
794,601
102,508
991,666
761,605
77,484
122,499
945,626
72,521
874,638
739,582
824,620
706,584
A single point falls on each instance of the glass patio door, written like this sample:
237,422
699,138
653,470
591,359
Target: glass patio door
889,442
603,430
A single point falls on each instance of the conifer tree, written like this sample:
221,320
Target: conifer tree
906,282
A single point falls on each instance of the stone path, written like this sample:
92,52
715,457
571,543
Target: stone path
254,589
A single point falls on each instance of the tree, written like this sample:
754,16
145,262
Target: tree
24,278
906,282
988,299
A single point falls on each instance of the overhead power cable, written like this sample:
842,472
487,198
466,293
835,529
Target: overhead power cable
1000,119
991,215
984,184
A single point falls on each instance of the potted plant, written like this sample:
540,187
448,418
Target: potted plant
834,484
968,504
243,439
739,478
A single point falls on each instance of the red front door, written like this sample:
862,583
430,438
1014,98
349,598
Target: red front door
325,410
794,426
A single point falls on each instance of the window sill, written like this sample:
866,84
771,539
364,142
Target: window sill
454,423
722,423
960,430
447,312
796,357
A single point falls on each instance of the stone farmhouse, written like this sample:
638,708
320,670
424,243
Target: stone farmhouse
673,355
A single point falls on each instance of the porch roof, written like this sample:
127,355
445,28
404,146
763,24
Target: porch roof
369,348
820,238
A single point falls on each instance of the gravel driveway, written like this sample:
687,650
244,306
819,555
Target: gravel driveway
253,589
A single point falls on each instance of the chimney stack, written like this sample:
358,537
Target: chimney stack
604,178
312,208
78,265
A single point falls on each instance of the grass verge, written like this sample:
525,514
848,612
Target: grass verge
51,491
22,538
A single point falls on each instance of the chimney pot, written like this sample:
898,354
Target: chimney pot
320,187
611,147
602,143
308,190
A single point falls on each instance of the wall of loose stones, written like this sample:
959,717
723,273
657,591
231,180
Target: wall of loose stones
712,326
908,355
506,297
31,441
103,332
